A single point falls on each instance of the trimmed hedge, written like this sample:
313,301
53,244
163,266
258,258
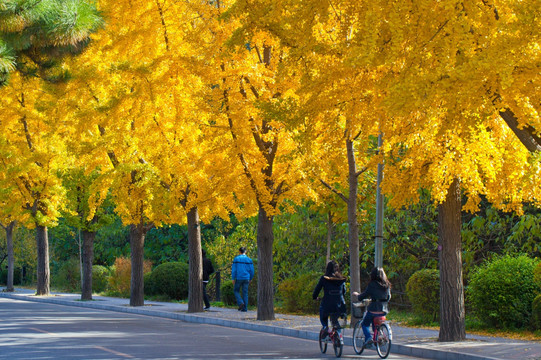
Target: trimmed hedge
502,291
423,290
170,279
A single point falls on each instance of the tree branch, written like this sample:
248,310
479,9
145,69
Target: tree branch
527,134
340,195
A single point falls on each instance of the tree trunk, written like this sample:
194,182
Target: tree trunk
265,283
43,272
452,312
88,259
195,285
137,242
353,235
11,256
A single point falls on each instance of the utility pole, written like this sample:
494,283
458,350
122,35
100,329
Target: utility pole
378,257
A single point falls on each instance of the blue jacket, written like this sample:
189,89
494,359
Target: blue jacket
243,268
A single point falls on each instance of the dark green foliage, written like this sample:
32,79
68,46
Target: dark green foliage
300,243
423,290
16,277
502,290
68,276
170,279
493,231
296,293
112,241
100,278
536,313
149,287
537,275
46,29
166,244
228,296
411,243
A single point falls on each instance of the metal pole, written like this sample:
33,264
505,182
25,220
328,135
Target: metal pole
378,257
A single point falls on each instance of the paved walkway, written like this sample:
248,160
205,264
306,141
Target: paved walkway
406,341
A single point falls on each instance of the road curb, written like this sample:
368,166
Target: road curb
401,349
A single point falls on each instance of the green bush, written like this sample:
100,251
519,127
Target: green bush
169,279
296,294
68,276
502,291
537,275
149,288
423,289
536,313
100,278
228,296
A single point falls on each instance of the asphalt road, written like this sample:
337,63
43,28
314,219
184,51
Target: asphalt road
39,331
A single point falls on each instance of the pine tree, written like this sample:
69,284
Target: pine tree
34,34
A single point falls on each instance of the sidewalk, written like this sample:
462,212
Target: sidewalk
406,341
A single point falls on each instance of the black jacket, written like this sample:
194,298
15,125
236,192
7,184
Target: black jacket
379,294
334,290
207,269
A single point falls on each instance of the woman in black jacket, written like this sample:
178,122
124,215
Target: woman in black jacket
379,291
334,289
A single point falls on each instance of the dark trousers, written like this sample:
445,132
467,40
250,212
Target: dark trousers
205,296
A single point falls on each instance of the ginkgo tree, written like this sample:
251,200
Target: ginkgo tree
32,155
250,92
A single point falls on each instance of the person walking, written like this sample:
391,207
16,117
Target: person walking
334,289
207,270
379,291
242,272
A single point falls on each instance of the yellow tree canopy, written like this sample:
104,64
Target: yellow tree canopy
139,121
31,153
438,73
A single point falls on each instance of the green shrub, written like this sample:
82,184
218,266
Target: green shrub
100,278
228,296
149,288
296,294
423,289
536,313
502,290
68,276
537,275
170,279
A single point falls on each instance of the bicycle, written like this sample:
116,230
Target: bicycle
335,336
381,338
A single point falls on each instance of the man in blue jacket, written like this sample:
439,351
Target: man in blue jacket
242,272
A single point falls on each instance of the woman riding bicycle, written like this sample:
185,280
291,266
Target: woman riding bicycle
379,291
334,289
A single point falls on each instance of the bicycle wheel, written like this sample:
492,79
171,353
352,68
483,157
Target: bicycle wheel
323,340
358,338
337,344
383,343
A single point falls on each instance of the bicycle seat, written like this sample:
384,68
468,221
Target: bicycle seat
378,320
